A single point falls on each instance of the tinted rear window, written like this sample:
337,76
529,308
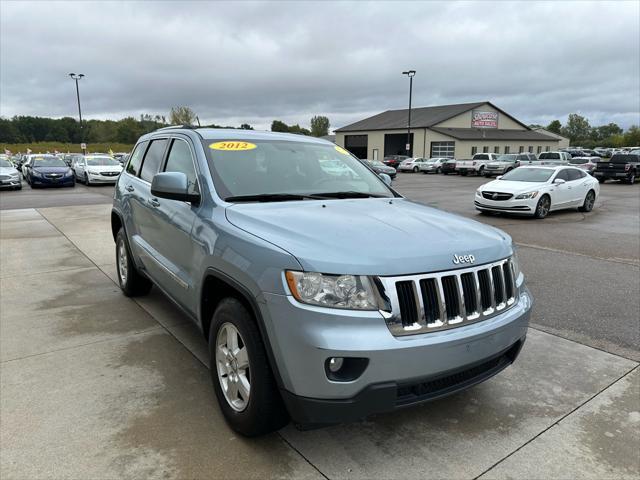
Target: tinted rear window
153,159
481,156
625,158
549,156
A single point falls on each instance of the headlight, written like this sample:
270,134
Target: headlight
69,173
478,193
351,292
35,173
522,196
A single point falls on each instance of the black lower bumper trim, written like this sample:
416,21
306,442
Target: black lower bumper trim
384,397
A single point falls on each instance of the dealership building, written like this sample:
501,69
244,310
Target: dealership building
454,131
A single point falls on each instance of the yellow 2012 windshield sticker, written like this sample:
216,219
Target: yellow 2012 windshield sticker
232,146
341,150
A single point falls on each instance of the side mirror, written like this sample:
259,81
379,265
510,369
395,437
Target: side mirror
172,186
559,181
498,177
385,178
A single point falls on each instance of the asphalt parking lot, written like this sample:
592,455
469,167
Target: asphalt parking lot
96,385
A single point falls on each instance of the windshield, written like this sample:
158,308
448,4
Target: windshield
507,158
264,167
549,156
101,161
48,162
524,174
377,163
5,164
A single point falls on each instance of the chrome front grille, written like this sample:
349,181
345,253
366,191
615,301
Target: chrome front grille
497,195
439,301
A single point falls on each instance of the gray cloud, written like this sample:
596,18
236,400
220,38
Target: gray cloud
253,62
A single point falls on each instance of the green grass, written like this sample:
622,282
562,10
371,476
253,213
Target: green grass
43,147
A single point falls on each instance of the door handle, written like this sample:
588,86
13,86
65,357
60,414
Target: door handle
154,202
129,188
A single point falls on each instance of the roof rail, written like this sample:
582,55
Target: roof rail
173,127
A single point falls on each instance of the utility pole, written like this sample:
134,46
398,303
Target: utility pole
76,78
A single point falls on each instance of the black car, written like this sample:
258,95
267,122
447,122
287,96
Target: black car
621,166
449,167
379,167
394,160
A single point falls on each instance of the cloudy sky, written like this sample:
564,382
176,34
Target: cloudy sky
253,62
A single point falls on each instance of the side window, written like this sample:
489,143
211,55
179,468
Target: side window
574,174
180,160
563,174
153,159
133,167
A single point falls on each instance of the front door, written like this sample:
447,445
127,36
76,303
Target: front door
562,194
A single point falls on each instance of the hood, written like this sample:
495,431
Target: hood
51,169
370,236
511,187
105,168
8,171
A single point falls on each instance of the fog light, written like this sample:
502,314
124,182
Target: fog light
335,364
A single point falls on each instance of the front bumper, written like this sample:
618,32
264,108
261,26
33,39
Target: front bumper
102,178
51,182
10,183
525,206
304,337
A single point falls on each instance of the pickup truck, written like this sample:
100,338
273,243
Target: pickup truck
622,167
552,158
477,164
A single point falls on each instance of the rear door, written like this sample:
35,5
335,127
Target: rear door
144,222
579,182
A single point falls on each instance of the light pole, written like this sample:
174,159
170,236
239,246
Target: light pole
76,78
410,74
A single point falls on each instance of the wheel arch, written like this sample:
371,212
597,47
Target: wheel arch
116,223
217,286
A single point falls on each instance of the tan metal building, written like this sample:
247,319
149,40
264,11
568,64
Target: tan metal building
455,131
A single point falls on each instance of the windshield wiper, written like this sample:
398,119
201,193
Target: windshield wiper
348,194
271,197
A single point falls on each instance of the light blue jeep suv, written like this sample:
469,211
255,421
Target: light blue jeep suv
286,251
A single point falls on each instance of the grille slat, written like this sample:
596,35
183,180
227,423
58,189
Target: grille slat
408,305
430,302
497,195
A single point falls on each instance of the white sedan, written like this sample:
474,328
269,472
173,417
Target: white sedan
97,169
412,165
538,190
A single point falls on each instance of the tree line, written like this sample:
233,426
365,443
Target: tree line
28,129
581,133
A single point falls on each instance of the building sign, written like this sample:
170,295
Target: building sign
481,119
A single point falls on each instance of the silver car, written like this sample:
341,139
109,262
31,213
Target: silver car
9,175
433,165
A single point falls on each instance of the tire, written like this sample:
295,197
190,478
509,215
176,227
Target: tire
131,282
438,170
463,173
415,169
263,411
632,178
480,172
87,182
543,207
445,173
507,170
601,180
589,200
487,175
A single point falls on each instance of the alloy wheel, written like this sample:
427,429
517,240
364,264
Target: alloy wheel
543,207
589,201
122,263
232,366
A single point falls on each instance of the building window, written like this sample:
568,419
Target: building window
474,150
443,149
521,150
496,149
530,149
546,149
507,149
539,148
485,149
